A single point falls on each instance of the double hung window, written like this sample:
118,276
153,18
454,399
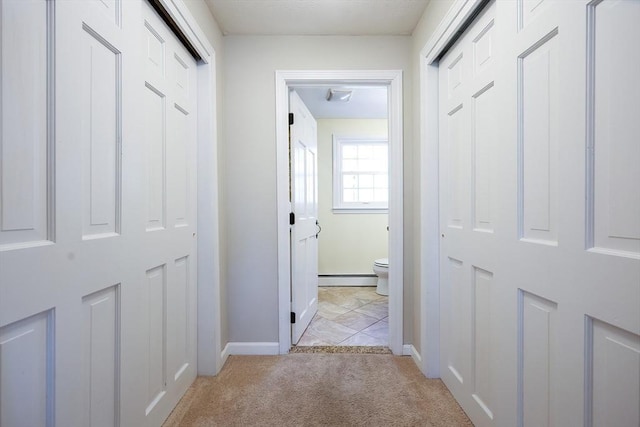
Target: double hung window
360,174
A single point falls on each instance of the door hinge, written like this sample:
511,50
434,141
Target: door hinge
292,218
290,119
293,317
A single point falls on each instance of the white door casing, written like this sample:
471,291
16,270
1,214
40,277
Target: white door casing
304,203
540,212
393,78
97,308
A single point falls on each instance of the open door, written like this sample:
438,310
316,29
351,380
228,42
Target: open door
304,206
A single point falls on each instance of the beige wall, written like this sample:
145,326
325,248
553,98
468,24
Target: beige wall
349,243
249,157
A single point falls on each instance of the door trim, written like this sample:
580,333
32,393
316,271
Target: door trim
209,361
393,79
449,28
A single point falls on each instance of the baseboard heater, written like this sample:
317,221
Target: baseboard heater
347,279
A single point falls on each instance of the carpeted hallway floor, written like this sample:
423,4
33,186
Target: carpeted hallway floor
318,390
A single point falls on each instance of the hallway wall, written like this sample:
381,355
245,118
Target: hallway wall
248,155
247,61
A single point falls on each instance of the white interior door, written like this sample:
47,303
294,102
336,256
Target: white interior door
304,204
97,313
169,309
540,215
467,136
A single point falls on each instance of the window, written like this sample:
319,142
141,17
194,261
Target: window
360,174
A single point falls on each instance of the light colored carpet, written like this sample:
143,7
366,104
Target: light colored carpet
318,390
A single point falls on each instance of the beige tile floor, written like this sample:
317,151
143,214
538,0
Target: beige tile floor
349,316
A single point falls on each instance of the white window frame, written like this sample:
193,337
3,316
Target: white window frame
339,206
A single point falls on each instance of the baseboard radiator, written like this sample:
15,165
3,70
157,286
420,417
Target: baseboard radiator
347,280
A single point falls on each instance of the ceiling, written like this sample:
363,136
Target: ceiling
324,17
317,17
367,102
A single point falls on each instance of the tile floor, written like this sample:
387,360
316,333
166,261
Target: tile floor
349,316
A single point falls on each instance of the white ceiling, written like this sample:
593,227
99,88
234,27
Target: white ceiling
317,17
324,17
365,103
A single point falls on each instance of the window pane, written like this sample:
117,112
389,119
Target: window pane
366,181
381,196
365,151
349,196
380,151
349,165
381,181
349,151
366,165
350,181
366,195
379,165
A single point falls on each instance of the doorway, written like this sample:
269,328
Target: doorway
393,81
342,133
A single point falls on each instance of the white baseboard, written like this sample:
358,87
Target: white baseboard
406,349
251,349
224,356
410,350
348,281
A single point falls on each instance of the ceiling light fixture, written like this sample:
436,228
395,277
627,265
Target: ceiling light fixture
337,95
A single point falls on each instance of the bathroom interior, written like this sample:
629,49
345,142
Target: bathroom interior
353,243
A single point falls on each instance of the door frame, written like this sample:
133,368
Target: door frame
393,80
209,360
450,28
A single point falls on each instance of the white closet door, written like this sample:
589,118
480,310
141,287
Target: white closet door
92,305
63,263
468,129
540,213
168,314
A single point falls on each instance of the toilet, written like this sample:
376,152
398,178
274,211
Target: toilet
381,268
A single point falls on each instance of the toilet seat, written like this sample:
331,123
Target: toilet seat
382,262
